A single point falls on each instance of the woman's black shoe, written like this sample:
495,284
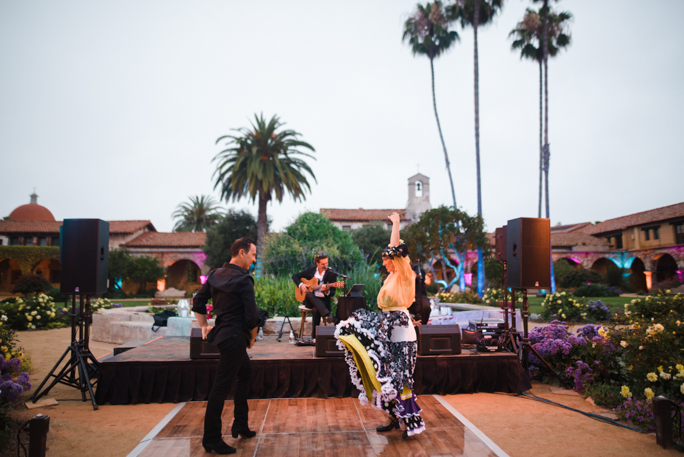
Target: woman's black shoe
404,435
391,426
220,447
245,433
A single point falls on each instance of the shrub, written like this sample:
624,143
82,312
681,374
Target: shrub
638,413
597,290
276,295
597,311
655,307
568,276
57,296
491,296
369,275
467,296
562,305
32,313
31,284
606,395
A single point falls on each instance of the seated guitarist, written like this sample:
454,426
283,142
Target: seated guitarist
319,299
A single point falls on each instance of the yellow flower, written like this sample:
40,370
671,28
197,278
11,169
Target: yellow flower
649,393
679,367
3,349
29,318
681,388
564,316
652,377
624,391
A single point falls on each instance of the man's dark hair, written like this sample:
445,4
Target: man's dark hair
320,256
243,243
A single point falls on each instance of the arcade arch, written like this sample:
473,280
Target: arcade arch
183,274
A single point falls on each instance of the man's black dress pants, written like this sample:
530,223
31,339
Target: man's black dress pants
233,361
319,307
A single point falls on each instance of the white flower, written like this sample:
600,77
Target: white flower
38,317
33,313
623,343
681,388
4,318
665,375
641,347
560,301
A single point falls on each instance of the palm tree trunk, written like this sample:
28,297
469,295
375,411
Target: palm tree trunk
480,259
476,18
541,144
545,19
262,221
439,127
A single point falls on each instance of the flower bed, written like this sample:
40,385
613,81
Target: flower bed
14,375
622,367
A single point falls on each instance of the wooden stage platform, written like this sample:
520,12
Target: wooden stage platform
312,427
162,371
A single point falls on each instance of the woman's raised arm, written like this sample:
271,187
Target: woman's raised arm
394,238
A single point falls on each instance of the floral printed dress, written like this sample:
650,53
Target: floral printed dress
381,349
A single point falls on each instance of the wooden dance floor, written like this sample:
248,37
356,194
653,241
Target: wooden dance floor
319,427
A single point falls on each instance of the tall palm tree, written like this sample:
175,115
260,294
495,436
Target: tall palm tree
263,162
428,34
528,36
200,213
475,14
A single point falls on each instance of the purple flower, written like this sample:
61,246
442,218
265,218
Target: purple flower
7,377
15,363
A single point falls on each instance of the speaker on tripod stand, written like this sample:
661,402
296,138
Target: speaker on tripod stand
84,255
528,259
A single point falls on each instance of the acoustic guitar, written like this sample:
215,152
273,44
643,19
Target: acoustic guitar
312,284
252,337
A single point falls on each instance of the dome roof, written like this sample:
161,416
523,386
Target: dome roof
32,212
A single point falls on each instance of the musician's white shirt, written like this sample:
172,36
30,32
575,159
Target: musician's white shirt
319,276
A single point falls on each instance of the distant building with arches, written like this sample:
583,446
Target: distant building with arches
32,225
648,247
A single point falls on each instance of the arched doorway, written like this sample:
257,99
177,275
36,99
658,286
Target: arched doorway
571,262
666,268
183,275
49,269
10,271
637,278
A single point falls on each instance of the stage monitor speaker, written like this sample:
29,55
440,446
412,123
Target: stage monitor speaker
201,349
438,339
84,255
326,344
528,253
500,246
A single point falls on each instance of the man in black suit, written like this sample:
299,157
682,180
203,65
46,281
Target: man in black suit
421,306
231,288
318,300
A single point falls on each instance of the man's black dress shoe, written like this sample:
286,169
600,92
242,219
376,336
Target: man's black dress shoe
220,447
391,426
243,432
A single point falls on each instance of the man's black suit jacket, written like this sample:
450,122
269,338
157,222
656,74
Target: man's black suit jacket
309,273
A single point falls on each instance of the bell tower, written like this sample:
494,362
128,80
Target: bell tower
418,196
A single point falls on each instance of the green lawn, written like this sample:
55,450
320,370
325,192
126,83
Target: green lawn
129,303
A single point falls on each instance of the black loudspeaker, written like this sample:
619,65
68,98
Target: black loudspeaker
528,253
438,339
500,247
84,255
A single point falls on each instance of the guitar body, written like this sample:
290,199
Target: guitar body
252,337
313,285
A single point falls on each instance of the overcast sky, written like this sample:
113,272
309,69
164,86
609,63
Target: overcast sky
111,109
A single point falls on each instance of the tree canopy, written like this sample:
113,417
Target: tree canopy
220,237
294,249
371,239
197,215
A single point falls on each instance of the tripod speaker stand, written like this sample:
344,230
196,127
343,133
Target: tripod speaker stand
81,365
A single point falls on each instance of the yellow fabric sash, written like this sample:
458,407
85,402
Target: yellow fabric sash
363,363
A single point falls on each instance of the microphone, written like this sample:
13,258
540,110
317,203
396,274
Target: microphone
338,274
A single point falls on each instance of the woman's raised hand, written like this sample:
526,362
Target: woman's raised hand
395,218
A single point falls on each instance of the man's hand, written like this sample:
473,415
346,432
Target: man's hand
303,287
205,331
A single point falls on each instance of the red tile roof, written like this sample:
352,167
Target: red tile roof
571,227
361,215
32,212
124,227
115,227
30,227
576,238
645,217
168,240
